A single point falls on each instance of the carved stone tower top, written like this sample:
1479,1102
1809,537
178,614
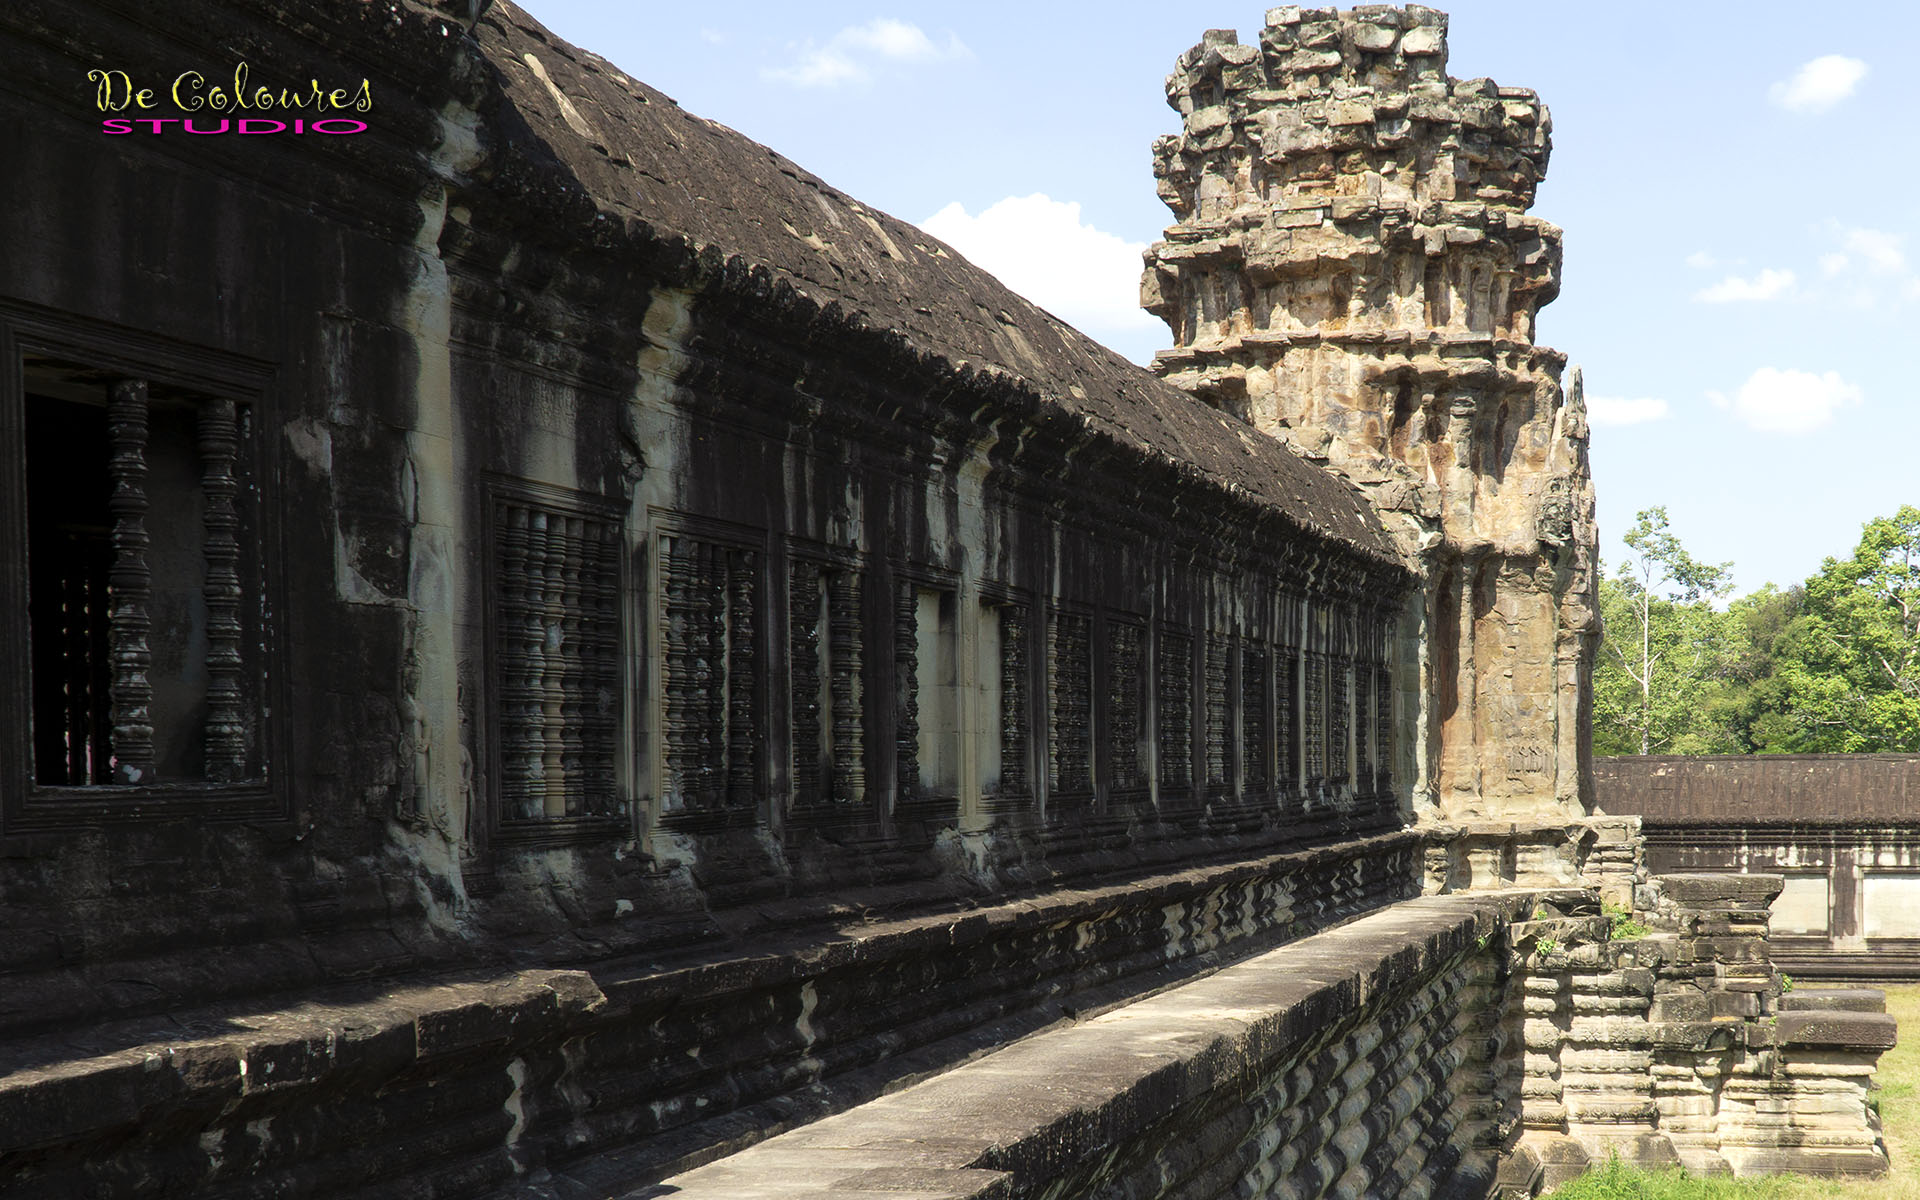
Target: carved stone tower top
1353,271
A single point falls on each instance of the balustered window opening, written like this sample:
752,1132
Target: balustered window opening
1256,740
1128,755
1069,706
555,597
710,734
146,612
1005,681
825,685
987,733
1339,720
931,699
1173,712
1289,719
1383,730
1217,705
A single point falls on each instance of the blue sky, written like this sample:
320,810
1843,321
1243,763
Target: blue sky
1739,188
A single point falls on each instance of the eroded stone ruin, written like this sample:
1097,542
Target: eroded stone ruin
1354,271
555,653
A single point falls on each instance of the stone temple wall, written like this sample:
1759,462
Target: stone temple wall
1353,270
686,656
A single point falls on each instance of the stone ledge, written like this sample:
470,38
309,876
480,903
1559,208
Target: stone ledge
1701,889
277,1051
1863,1031
1860,1000
218,1068
1037,1109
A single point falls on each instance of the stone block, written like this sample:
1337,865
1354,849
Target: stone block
1695,891
1863,1000
1850,1030
1422,41
1688,1006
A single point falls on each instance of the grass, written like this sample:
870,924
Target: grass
1624,927
1898,1102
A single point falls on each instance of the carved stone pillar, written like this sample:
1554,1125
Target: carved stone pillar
131,583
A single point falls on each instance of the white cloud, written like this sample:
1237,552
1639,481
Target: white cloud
1777,401
1700,260
1769,284
1819,85
850,55
1880,252
1832,264
1625,410
1039,247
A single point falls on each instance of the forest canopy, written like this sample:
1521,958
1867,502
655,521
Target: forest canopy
1831,665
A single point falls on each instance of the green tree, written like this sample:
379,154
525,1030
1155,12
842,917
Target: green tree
1660,653
1848,665
1748,714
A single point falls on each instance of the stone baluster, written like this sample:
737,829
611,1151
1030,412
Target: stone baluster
131,584
1015,730
849,784
226,727
743,739
804,643
906,669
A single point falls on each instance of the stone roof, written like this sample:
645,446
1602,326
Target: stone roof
638,157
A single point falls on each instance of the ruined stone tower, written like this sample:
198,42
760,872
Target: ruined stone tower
1353,271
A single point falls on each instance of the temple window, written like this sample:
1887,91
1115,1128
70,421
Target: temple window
709,672
1173,712
1069,706
937,691
823,626
144,601
1126,646
1009,640
555,589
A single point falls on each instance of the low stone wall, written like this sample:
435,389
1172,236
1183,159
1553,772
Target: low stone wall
1367,1060
632,1069
1160,1037
1675,1046
1471,1044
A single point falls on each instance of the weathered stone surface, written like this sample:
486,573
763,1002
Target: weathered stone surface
1867,1031
1712,891
1673,1047
1806,999
1284,1052
614,1075
1365,288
